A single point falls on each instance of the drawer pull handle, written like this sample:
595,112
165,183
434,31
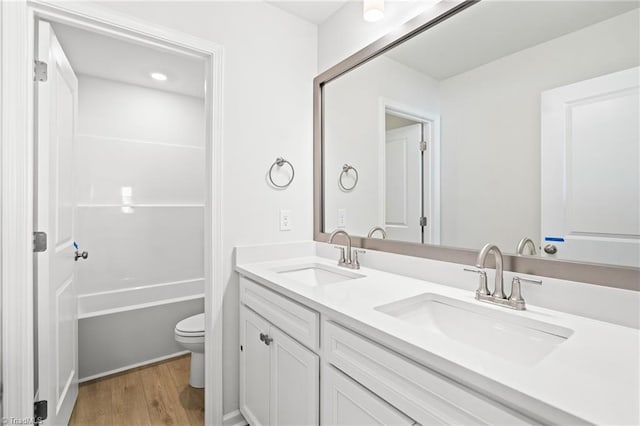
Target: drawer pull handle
266,339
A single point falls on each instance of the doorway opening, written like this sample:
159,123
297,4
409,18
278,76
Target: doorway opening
409,170
88,139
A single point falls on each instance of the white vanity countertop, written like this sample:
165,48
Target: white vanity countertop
593,375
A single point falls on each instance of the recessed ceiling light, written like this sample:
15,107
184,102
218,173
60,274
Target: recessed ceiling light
373,10
158,76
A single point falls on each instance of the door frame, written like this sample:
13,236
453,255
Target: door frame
17,36
399,109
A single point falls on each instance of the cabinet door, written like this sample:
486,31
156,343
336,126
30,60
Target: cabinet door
254,368
295,382
346,403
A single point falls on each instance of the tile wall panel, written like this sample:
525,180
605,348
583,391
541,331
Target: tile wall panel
146,246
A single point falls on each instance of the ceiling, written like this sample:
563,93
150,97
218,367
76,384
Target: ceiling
315,12
493,29
114,59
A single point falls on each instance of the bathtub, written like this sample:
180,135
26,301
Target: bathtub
123,329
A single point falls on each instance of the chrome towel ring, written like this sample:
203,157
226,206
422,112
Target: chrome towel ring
281,162
343,173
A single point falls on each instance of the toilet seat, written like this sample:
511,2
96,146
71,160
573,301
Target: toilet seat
191,327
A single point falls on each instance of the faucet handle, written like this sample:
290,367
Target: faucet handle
482,286
356,262
528,280
516,289
342,259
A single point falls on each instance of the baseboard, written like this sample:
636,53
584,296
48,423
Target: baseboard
234,418
136,365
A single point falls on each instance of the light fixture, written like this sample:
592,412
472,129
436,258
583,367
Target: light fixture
373,10
158,76
127,199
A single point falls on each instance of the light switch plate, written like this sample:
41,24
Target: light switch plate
285,220
342,218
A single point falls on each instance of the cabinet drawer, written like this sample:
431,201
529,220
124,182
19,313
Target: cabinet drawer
347,403
417,391
294,319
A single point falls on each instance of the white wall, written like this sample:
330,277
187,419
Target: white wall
491,130
352,125
345,32
269,65
152,142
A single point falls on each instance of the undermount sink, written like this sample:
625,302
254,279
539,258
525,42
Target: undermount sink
315,274
502,334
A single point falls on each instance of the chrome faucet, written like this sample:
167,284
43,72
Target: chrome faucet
498,291
346,259
524,242
515,300
375,229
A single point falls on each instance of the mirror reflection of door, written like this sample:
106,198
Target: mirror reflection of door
590,175
406,175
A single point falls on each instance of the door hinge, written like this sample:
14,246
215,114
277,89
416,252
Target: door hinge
39,242
39,411
423,145
39,71
423,221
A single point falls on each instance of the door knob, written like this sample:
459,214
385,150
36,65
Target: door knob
550,249
82,255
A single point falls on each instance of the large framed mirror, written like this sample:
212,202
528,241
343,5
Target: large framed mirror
508,122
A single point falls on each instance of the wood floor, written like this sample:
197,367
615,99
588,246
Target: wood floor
157,394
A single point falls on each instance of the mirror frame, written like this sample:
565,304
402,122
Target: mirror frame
600,274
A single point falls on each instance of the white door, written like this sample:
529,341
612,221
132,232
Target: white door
295,382
403,184
590,169
254,368
346,403
56,286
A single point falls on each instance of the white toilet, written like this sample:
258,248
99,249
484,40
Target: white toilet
190,334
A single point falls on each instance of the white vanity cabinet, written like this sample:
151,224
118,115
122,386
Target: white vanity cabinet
279,376
363,381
